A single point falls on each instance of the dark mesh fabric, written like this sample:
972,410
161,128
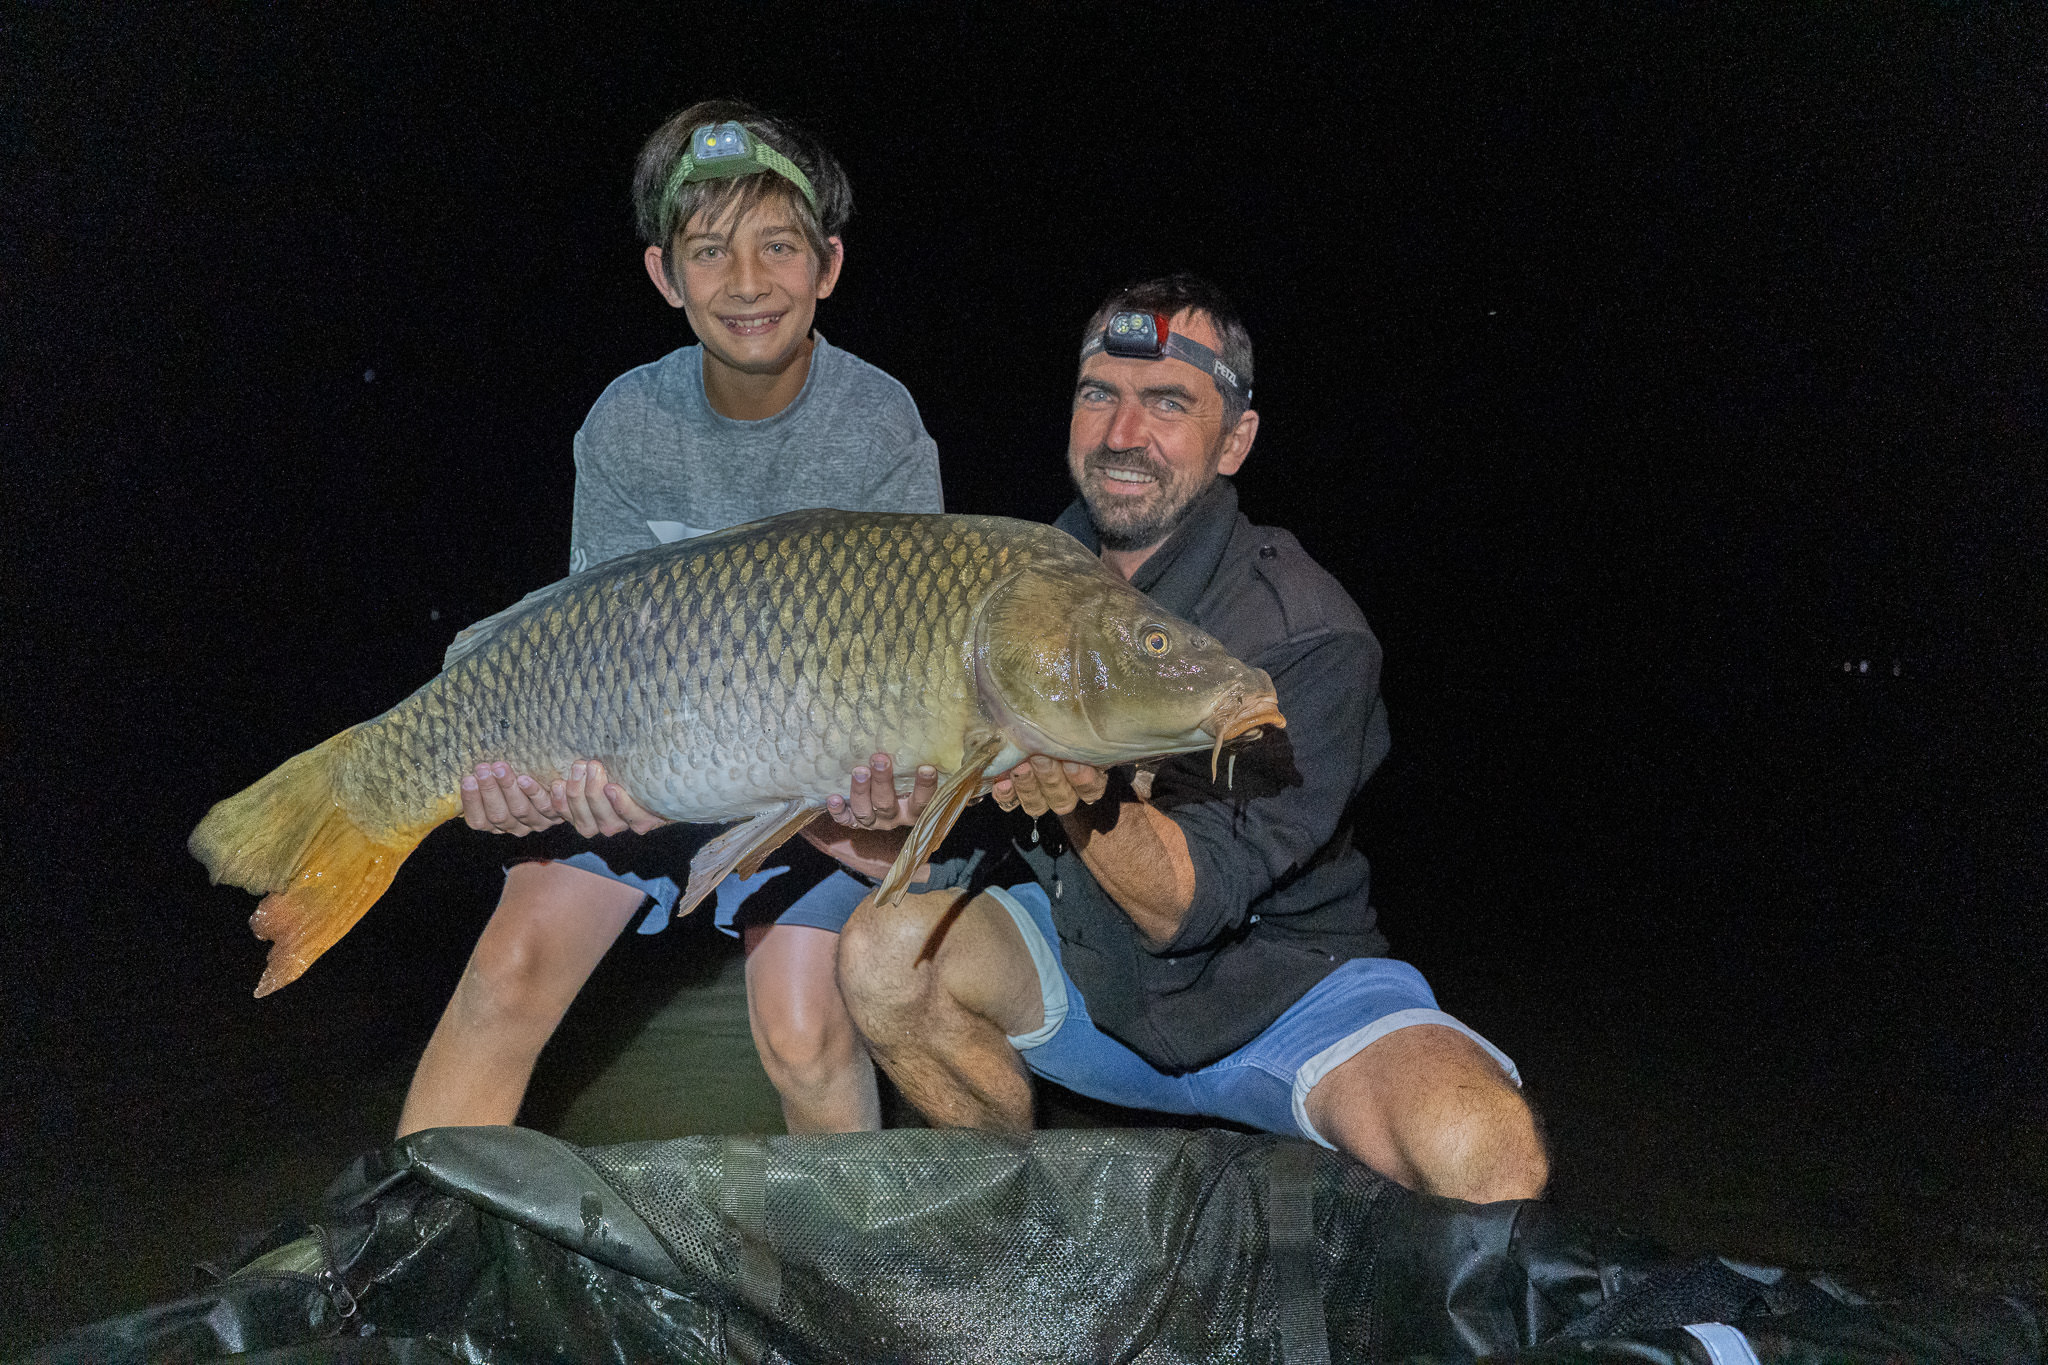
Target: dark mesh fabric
496,1246
1106,1244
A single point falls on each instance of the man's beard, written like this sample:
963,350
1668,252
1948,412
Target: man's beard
1123,522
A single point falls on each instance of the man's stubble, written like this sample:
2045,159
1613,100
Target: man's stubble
1125,524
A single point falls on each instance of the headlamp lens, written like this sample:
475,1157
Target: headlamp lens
721,142
1142,335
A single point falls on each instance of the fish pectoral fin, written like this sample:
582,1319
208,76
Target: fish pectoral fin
954,795
744,847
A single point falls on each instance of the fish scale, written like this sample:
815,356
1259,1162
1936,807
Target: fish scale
741,676
702,722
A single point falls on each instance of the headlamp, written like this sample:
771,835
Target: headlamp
718,151
1140,335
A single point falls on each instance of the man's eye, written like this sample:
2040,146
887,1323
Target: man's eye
1171,405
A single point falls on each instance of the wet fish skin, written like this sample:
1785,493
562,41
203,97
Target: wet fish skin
741,675
716,681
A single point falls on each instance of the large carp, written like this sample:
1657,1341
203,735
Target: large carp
741,676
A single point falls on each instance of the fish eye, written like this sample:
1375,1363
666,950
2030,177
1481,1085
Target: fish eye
1155,641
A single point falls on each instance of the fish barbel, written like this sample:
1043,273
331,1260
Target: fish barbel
740,676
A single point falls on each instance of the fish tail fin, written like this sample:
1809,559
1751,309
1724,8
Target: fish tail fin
287,836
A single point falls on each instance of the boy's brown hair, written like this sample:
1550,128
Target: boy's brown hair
660,215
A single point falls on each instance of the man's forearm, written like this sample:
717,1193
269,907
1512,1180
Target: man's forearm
1141,859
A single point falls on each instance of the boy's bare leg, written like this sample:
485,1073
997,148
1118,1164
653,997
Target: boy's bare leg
552,925
1426,1107
805,1036
938,1027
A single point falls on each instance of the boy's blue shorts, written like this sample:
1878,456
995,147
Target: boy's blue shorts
804,887
1264,1084
825,905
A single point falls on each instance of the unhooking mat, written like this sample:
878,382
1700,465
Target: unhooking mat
502,1245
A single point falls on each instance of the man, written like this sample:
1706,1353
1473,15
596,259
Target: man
1172,943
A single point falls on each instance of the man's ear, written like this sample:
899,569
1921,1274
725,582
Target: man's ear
1238,444
656,271
828,278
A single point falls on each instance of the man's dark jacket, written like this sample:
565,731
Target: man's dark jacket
1281,892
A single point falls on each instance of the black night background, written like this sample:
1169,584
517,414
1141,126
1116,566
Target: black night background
1669,383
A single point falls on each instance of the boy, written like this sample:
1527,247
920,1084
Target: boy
740,215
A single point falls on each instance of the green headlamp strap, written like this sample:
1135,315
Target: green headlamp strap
718,151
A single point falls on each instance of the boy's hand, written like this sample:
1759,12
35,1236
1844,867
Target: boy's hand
495,798
596,805
871,801
498,800
1040,784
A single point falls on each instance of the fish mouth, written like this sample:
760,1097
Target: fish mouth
1243,715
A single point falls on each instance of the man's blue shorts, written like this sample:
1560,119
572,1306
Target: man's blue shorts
1264,1084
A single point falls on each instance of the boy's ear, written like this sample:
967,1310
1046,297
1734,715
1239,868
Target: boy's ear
657,271
829,276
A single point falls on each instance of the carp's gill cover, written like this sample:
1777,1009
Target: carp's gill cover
741,676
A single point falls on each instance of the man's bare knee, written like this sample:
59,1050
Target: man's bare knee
1429,1108
880,946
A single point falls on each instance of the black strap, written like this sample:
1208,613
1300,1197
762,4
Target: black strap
1291,1239
746,1193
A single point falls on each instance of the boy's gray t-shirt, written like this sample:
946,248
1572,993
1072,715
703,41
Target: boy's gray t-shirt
655,463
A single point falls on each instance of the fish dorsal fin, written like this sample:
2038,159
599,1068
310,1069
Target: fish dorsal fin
473,636
744,847
955,795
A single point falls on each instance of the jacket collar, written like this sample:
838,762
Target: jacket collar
1179,571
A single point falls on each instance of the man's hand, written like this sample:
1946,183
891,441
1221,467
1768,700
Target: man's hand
871,801
1040,784
494,798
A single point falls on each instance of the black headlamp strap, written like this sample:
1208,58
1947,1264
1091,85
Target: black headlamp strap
1151,347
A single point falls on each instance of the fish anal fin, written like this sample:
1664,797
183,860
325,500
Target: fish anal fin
744,847
954,795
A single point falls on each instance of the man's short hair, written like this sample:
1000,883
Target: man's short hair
659,216
1172,294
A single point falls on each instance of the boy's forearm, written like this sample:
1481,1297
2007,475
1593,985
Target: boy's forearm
870,852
